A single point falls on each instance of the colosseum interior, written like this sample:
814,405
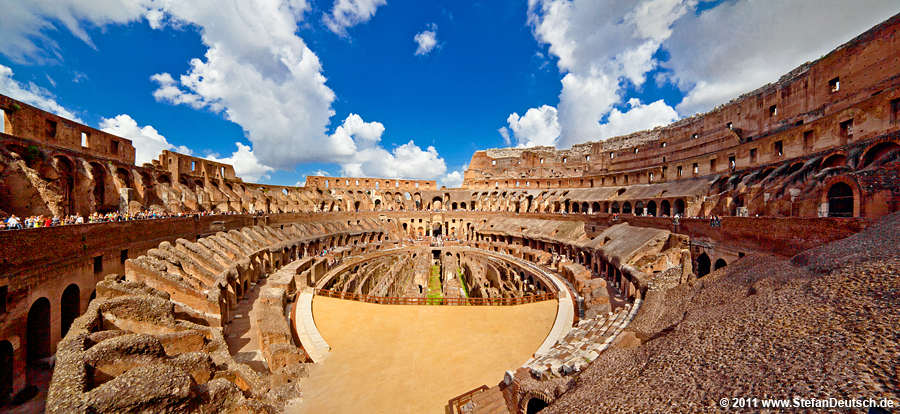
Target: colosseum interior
748,251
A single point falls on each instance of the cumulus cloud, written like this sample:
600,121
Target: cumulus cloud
602,47
739,46
22,35
148,143
245,163
32,95
370,159
454,179
427,40
347,13
639,116
539,126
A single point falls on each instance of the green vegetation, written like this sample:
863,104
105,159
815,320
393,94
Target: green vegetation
435,289
462,281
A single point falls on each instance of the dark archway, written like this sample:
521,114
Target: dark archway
678,206
584,207
840,200
664,209
69,307
595,207
703,265
651,208
878,152
626,208
575,207
720,264
6,371
639,207
615,207
535,405
99,185
37,342
66,184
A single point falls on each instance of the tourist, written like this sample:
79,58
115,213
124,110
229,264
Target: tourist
13,222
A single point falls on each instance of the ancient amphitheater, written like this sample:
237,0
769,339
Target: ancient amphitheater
749,252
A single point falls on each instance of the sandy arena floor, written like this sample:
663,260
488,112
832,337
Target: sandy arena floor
412,359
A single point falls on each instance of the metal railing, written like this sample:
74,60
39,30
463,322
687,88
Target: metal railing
384,300
457,402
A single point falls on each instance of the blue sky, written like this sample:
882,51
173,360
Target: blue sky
399,88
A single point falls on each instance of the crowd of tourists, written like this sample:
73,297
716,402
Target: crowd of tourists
14,222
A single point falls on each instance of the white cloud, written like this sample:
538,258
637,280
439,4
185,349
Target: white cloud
504,132
32,95
637,118
539,126
426,40
148,143
22,35
602,46
347,13
737,47
369,159
453,180
245,164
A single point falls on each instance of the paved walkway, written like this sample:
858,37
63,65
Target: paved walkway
241,334
412,359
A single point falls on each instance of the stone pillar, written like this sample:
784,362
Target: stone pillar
823,210
125,197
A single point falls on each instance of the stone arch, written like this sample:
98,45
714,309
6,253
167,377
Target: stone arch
584,207
69,307
877,152
7,360
66,169
626,208
651,208
124,177
703,265
678,207
595,207
99,190
638,207
720,264
615,207
834,160
462,205
664,208
165,179
37,341
606,207
841,200
436,203
575,207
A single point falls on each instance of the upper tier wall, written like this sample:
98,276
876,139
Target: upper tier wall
848,95
321,181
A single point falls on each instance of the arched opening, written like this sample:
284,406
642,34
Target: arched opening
794,168
638,208
584,207
462,205
99,190
124,177
595,207
664,208
881,153
37,341
356,205
6,370
615,208
377,204
436,203
606,207
575,207
70,308
679,206
626,208
651,208
836,160
164,179
454,206
66,184
703,264
720,264
437,230
840,200
535,405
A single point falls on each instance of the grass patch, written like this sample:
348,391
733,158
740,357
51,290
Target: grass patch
462,282
435,289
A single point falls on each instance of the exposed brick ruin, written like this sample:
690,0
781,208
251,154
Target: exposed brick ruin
621,229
